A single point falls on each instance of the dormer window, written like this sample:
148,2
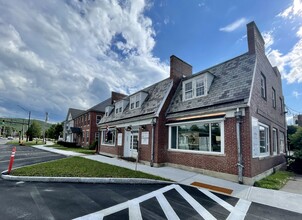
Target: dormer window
120,106
137,100
108,110
197,87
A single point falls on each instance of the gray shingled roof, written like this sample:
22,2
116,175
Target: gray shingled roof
74,112
156,95
101,106
231,84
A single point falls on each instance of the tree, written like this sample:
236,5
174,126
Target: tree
34,130
296,139
55,131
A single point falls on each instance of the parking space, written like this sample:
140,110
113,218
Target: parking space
24,156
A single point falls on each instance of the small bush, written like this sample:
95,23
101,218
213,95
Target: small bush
295,162
68,144
93,145
274,181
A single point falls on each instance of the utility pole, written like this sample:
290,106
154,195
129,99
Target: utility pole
46,118
28,120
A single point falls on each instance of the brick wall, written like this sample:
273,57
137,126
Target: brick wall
262,109
220,163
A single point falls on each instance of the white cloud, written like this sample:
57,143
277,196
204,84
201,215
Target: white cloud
71,54
268,38
299,33
296,94
235,25
290,63
294,10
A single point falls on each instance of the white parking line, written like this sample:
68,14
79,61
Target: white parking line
221,202
240,210
199,208
167,208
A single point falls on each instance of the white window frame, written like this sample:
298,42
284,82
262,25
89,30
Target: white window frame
267,141
220,121
263,86
194,87
87,136
281,142
275,141
98,120
134,100
274,98
103,135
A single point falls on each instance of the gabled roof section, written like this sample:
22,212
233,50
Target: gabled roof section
232,83
101,106
156,96
74,113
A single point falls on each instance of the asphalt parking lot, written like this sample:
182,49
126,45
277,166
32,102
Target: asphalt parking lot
24,156
37,200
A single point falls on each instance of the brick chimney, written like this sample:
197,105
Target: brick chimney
115,96
255,39
179,68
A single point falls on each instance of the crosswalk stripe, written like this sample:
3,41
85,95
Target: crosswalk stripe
221,202
240,210
125,205
199,208
135,211
166,207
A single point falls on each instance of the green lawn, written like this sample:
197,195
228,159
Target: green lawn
16,142
274,181
78,150
80,167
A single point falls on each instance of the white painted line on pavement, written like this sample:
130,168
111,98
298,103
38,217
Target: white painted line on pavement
199,208
134,211
165,205
221,202
240,210
39,201
125,205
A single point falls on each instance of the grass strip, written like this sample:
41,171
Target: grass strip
80,167
28,143
274,181
78,150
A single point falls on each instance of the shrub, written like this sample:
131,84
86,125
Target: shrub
93,145
296,162
68,144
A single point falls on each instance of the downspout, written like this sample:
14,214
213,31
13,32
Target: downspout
153,123
238,115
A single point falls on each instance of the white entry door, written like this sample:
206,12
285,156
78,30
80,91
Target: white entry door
134,143
131,144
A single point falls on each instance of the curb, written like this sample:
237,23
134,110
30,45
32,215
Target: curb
81,179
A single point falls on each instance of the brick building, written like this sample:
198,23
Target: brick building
69,134
297,120
82,129
226,121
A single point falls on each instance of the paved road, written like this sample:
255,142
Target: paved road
26,200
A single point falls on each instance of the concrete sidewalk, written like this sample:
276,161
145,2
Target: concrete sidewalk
279,199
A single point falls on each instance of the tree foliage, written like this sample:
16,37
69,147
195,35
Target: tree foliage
55,131
296,139
34,130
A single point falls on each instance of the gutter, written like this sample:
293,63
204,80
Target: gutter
238,116
153,123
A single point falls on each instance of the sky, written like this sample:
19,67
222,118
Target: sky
57,54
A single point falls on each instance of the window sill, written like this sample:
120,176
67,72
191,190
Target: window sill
198,152
108,145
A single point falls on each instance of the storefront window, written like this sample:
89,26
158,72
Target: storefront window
108,136
263,139
197,137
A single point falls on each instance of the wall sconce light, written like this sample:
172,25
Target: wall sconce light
143,127
129,128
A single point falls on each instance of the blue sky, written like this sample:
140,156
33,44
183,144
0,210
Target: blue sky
60,54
